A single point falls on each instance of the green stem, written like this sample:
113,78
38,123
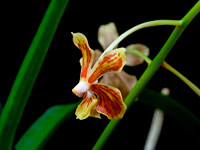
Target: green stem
21,89
168,67
150,71
141,26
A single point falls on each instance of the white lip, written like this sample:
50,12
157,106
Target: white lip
81,88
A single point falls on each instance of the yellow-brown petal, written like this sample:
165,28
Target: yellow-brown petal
97,54
87,53
133,60
94,113
112,61
110,102
85,108
107,34
122,81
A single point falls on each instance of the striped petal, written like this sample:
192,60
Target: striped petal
112,61
87,108
87,54
110,102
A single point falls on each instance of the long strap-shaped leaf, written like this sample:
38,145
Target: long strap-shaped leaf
39,132
21,89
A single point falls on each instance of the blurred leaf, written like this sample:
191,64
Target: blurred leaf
42,129
180,113
0,108
28,72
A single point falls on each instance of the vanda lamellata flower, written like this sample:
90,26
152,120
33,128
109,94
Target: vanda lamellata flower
98,98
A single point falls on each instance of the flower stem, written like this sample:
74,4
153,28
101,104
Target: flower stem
168,67
141,26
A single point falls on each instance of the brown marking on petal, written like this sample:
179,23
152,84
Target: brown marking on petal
86,59
102,69
97,54
112,62
89,100
86,108
110,102
87,53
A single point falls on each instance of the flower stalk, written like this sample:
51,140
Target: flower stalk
141,26
170,68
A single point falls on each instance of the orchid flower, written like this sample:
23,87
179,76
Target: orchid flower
123,81
98,98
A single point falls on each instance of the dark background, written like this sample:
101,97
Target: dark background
60,72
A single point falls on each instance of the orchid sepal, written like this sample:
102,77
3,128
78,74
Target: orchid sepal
87,54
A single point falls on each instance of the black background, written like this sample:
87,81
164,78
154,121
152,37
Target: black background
60,71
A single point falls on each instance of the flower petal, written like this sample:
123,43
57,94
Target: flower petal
87,53
122,80
94,113
133,60
112,61
97,54
107,34
87,108
110,102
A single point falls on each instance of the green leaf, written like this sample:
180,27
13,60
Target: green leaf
182,115
42,129
21,89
